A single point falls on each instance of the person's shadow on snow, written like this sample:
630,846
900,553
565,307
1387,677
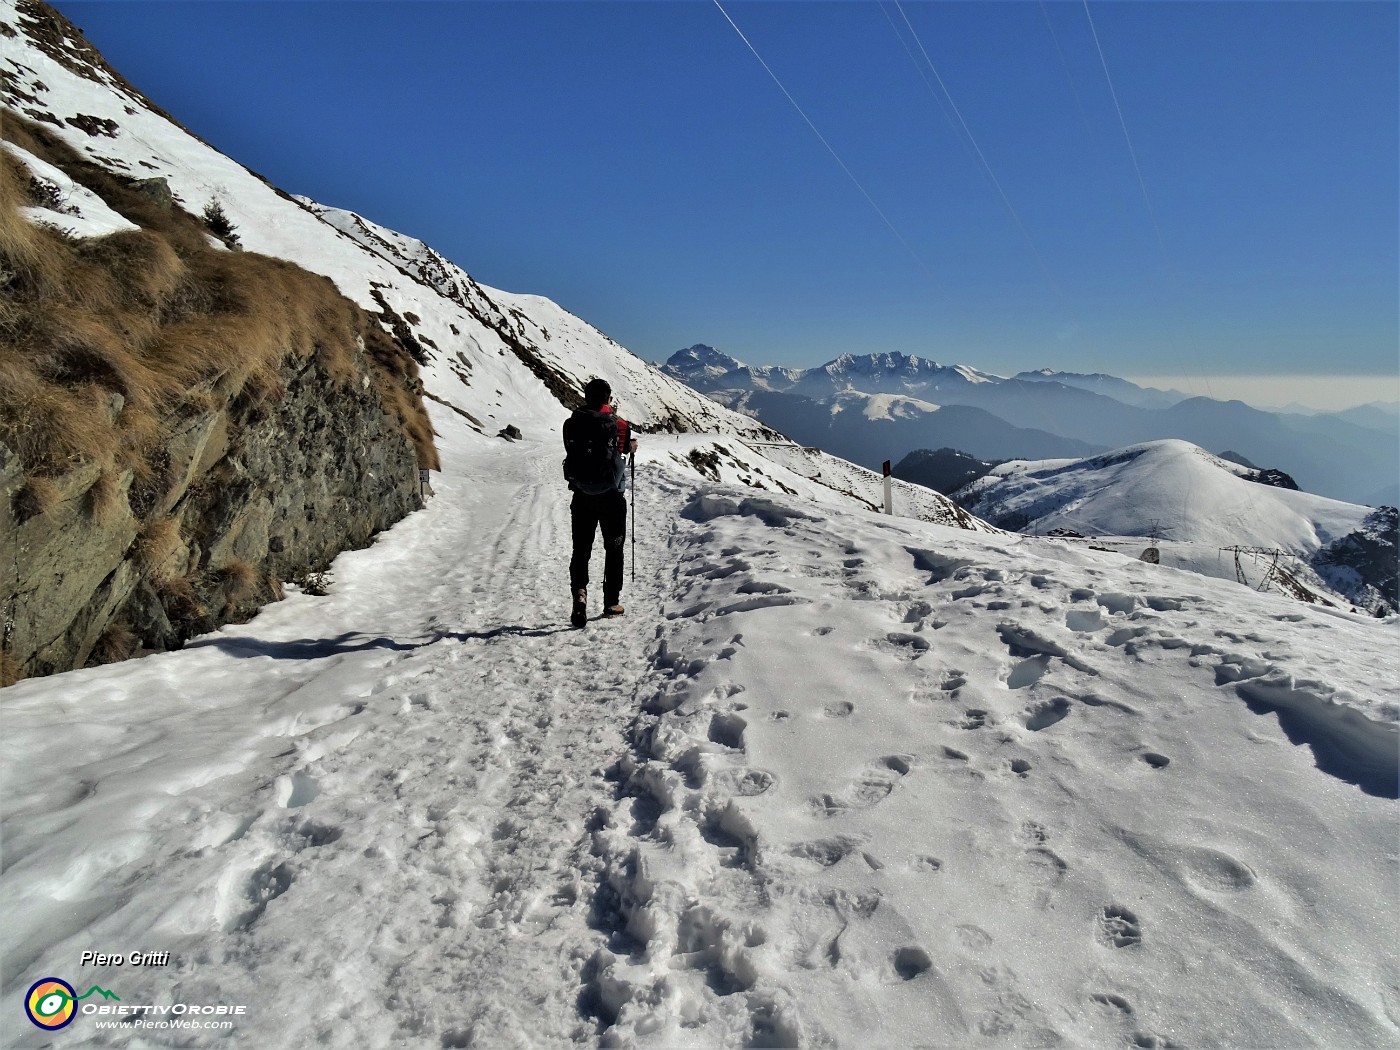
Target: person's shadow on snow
353,641
302,648
502,632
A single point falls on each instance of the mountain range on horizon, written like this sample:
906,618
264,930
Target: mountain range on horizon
1044,414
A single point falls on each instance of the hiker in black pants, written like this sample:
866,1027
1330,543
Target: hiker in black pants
596,440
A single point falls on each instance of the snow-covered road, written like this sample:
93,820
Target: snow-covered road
836,779
364,816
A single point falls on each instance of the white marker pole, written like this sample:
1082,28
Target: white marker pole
889,491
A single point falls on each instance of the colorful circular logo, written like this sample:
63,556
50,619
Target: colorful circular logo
50,1003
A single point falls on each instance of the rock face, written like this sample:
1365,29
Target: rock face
1364,564
252,492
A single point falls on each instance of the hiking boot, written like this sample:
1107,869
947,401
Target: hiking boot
613,610
579,617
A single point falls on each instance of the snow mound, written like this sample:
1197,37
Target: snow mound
1193,496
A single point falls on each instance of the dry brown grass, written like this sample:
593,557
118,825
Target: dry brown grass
37,496
240,580
151,314
116,643
104,500
157,547
10,672
179,598
24,247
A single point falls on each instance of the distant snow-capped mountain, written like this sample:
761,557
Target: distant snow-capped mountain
1110,386
1038,414
1200,505
707,369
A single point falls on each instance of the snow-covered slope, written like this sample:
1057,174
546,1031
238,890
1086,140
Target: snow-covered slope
1197,503
1196,497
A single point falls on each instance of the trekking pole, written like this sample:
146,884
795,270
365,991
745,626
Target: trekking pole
633,460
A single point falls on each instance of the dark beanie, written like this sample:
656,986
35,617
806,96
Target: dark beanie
596,393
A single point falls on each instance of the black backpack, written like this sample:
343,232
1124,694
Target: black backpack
592,460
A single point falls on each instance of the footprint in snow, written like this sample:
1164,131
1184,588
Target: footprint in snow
1047,871
826,852
311,835
1033,833
728,731
743,782
1113,1002
1028,672
917,612
907,646
1085,621
974,718
297,790
953,680
1117,603
866,790
264,885
1118,927
910,962
1046,714
972,939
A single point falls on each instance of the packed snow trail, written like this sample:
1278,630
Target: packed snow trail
835,779
379,798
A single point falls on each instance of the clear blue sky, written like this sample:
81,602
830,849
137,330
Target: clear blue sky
636,163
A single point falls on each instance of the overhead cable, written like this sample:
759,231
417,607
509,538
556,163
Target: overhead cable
830,149
1142,185
1122,123
981,157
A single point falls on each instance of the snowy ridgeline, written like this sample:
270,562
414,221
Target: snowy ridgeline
836,779
1195,507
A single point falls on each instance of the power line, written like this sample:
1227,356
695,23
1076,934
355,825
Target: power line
981,157
830,149
1046,272
1146,196
1122,123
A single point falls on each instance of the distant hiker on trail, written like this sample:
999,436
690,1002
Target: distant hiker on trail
596,440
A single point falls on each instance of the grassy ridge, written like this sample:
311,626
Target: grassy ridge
110,345
162,318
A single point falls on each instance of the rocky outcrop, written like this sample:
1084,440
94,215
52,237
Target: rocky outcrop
1364,565
247,492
